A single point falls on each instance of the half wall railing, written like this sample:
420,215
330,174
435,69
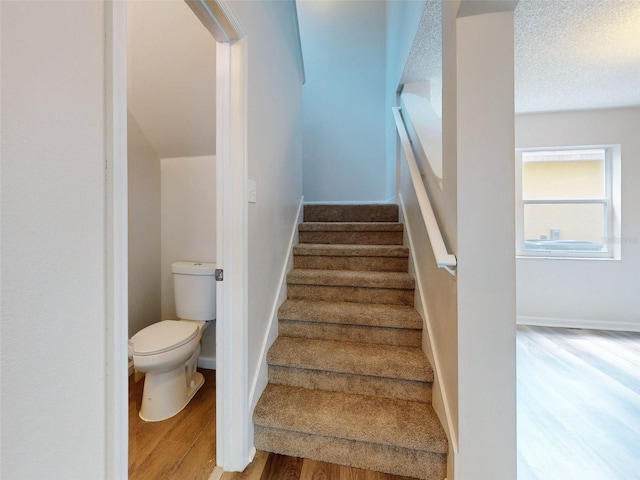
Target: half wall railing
444,259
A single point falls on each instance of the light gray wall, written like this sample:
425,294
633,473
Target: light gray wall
274,155
143,167
596,293
344,101
188,212
53,241
471,317
440,297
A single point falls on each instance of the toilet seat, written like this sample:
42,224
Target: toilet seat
163,336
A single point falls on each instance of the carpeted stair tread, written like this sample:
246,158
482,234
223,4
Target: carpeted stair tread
350,227
398,423
390,361
351,250
378,315
351,213
349,278
368,456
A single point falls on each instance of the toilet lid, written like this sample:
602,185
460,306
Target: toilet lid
163,336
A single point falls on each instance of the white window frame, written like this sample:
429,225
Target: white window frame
611,212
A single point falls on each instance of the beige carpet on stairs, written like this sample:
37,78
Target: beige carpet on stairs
348,381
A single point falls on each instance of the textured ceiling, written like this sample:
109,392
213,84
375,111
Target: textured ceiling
569,54
577,54
425,61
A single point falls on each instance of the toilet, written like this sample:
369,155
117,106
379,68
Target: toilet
167,351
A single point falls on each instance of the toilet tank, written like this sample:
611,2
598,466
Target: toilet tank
194,288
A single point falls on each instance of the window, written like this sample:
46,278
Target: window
566,206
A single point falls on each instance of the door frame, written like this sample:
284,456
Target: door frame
234,446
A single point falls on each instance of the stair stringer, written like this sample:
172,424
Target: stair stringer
440,399
260,380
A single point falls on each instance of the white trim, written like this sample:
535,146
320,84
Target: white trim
233,436
611,202
261,378
235,30
355,202
217,473
578,323
207,363
425,317
116,228
219,18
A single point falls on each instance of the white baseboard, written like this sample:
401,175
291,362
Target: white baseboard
217,473
355,202
260,380
207,363
578,323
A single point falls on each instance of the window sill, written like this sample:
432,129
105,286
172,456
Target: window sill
558,257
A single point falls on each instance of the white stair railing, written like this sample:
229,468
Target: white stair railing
444,259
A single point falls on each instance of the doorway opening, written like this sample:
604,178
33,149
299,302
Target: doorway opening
171,170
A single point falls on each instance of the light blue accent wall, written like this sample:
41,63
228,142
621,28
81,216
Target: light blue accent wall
403,19
344,47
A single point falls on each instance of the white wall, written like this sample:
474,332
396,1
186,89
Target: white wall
171,77
274,155
344,101
586,293
470,318
486,250
53,241
144,229
188,212
438,300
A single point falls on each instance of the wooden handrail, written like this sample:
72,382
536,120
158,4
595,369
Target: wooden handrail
444,259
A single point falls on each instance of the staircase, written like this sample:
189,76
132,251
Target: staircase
348,381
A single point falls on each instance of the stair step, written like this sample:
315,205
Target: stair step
348,278
396,436
351,233
367,456
348,380
351,213
383,258
390,361
396,288
349,367
391,316
367,323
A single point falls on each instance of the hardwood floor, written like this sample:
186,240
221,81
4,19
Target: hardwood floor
180,448
269,466
578,404
183,447
578,419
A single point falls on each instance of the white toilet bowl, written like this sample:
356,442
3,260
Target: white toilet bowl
167,352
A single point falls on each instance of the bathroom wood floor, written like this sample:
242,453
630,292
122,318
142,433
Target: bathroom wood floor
578,419
180,448
269,466
578,404
183,447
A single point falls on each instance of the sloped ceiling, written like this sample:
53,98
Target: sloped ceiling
171,77
569,54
